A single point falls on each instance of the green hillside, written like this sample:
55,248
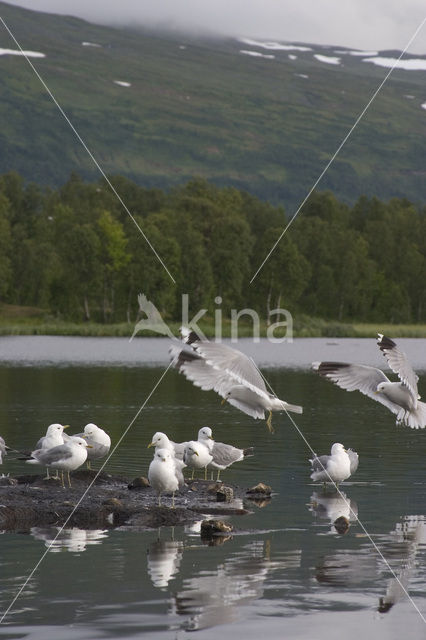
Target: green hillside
202,108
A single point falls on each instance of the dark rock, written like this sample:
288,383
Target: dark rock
224,494
260,488
210,528
342,525
104,501
6,481
139,483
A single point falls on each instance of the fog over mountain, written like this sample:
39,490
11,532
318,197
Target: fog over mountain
384,24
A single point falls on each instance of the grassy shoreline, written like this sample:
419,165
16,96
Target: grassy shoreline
303,328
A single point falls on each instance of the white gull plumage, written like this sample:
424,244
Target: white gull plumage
335,467
223,454
232,374
402,398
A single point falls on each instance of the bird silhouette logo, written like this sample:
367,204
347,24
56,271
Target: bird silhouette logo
153,321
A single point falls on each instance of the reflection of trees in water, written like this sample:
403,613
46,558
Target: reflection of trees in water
72,539
213,598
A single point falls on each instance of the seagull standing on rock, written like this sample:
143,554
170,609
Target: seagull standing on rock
54,438
99,440
161,441
197,456
66,457
223,454
162,475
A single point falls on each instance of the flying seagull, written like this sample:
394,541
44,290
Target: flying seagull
402,398
232,374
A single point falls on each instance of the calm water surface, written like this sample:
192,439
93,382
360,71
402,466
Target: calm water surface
286,572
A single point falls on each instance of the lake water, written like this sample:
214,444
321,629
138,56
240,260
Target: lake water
285,572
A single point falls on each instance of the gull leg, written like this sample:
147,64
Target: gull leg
88,464
69,479
47,477
269,423
62,479
159,499
192,477
205,473
173,500
218,474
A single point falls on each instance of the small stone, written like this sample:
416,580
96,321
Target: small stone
224,494
112,502
5,481
214,527
261,488
342,525
139,483
213,488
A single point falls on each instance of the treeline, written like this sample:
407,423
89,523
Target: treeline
76,253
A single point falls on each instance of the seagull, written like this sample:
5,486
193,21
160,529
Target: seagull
54,437
197,456
223,454
333,468
66,457
402,398
232,374
98,439
161,441
162,474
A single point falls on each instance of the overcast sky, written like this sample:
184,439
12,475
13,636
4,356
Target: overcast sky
362,24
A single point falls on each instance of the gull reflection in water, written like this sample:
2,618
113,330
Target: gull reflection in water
408,536
212,598
164,558
335,507
72,539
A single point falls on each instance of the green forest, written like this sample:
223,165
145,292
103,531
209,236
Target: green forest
76,254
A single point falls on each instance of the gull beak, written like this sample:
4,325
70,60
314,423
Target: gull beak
163,459
223,401
89,446
151,444
66,426
210,437
196,453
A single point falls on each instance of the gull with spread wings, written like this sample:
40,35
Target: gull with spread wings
232,374
402,398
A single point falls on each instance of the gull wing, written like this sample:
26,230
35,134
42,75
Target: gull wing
254,412
356,377
203,374
319,463
397,360
226,454
53,455
239,367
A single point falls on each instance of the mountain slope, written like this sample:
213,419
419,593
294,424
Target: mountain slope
202,107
